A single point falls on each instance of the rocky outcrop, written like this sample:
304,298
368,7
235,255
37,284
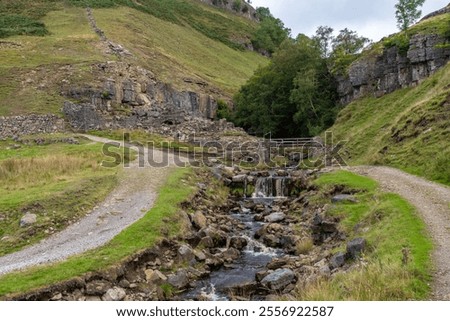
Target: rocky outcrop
16,126
240,7
131,97
393,69
437,13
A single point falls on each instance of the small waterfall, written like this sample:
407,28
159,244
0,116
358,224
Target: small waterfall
257,248
269,187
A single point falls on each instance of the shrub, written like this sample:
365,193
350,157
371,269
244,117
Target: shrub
12,25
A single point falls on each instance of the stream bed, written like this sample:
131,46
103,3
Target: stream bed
242,271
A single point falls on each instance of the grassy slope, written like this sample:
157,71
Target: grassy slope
143,234
33,68
408,129
389,224
58,182
174,52
30,73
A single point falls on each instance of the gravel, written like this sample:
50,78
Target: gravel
432,201
129,202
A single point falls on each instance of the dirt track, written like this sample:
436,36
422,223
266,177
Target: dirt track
127,203
433,204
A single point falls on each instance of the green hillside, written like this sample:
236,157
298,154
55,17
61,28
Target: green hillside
48,43
407,129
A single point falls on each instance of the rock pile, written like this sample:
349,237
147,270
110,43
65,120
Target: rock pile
16,126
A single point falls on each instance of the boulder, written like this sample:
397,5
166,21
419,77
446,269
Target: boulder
114,294
28,219
275,217
155,276
238,242
199,220
185,253
355,247
325,271
271,240
97,287
260,275
206,242
239,178
230,254
277,263
279,279
200,255
180,280
219,237
337,260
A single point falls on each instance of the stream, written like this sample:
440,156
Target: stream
254,257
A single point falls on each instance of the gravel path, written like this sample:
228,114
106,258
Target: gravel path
127,203
433,204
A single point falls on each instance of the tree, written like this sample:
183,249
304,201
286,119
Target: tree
293,96
323,38
407,12
263,12
348,42
270,34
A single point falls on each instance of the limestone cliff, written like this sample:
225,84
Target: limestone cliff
127,96
393,68
240,7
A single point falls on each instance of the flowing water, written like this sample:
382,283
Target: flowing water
255,256
271,187
242,271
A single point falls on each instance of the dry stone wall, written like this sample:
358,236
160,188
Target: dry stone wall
16,126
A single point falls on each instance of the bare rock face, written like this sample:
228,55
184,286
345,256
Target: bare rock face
393,69
148,102
243,9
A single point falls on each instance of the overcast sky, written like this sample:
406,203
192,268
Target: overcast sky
373,19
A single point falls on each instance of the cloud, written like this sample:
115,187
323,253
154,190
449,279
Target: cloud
371,18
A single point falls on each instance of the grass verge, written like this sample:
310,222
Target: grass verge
407,129
143,234
396,265
58,182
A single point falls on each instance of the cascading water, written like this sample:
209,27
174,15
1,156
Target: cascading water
253,258
256,255
271,187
